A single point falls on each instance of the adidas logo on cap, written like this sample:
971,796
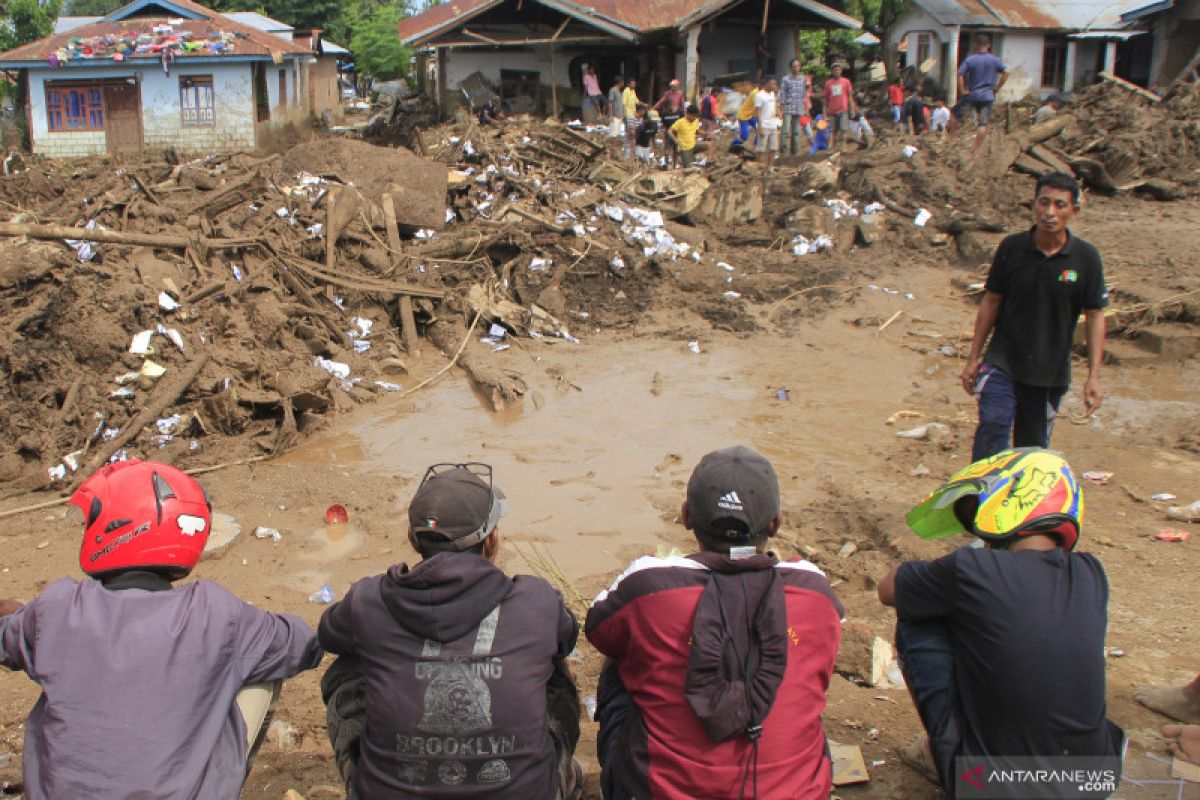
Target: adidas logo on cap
730,502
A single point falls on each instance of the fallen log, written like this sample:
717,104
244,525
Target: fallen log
166,395
499,386
57,232
408,326
1043,153
1048,129
362,284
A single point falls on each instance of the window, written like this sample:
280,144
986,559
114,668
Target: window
1054,61
74,108
924,46
196,100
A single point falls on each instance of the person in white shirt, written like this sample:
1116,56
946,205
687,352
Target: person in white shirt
939,120
766,107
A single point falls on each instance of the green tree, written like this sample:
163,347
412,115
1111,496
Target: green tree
880,17
376,44
91,8
25,21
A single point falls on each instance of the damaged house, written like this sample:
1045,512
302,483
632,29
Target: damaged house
1049,47
164,73
535,51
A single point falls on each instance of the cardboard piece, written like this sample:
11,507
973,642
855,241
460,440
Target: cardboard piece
1179,769
848,765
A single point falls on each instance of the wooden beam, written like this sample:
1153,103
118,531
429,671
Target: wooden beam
561,28
468,32
524,42
1133,87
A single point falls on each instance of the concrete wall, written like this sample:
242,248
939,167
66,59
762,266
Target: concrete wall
1022,55
322,81
233,96
720,45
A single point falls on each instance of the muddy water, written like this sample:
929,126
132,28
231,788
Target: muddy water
596,460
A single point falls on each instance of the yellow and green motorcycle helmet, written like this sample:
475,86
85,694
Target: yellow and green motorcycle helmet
1014,493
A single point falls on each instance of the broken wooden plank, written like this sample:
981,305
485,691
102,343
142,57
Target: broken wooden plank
1133,87
1043,153
393,232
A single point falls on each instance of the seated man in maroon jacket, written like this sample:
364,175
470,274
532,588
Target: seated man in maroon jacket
719,662
456,685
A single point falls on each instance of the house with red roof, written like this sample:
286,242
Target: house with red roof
536,51
160,73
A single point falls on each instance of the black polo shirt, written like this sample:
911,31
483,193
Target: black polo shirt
1043,298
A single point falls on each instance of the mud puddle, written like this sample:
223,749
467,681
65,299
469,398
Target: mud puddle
595,462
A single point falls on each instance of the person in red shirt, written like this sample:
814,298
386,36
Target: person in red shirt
676,721
840,107
671,98
895,92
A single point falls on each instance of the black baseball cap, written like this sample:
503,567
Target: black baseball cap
733,494
455,508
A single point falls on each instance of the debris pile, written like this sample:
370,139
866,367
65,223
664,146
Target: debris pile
216,309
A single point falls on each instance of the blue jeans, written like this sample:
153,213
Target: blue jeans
926,652
745,127
1012,414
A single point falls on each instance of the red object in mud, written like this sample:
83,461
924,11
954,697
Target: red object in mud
336,514
1173,535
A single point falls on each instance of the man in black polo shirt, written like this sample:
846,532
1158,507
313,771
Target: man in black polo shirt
1039,283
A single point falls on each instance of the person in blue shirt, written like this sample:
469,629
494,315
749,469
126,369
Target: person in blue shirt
980,77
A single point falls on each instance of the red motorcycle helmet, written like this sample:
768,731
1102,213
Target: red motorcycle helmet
142,515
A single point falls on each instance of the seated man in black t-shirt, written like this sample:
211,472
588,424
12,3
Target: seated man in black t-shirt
1002,647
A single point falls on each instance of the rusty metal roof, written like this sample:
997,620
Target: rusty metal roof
624,19
200,23
1076,15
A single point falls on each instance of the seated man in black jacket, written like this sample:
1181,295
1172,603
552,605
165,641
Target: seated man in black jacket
456,684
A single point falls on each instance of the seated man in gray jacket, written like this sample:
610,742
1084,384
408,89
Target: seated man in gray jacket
149,690
452,681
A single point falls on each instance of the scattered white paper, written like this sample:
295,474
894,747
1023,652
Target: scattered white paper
141,342
166,302
922,217
335,368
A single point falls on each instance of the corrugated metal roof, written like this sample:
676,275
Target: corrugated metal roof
64,24
1050,14
200,23
259,21
616,16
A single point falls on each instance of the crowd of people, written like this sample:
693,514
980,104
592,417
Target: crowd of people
793,114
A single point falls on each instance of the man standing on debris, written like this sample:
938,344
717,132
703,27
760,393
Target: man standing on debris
682,137
671,98
794,99
766,109
980,78
1002,647
1039,283
148,689
839,105
616,122
718,662
647,131
629,104
452,680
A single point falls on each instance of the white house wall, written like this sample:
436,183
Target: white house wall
461,63
1022,55
66,143
233,99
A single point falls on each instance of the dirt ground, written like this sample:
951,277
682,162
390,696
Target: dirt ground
595,457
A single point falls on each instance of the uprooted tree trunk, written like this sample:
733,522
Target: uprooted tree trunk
501,387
